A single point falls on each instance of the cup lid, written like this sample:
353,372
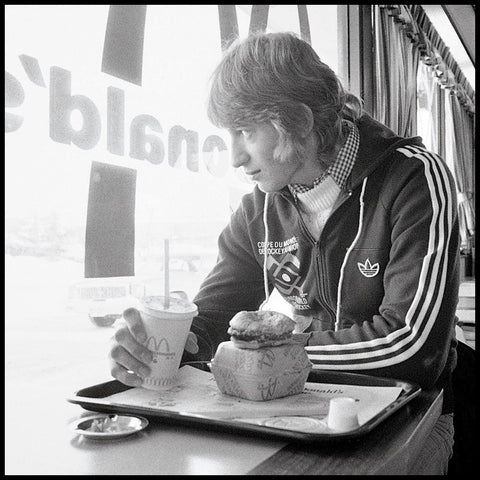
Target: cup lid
155,304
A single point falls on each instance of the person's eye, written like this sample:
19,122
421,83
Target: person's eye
247,133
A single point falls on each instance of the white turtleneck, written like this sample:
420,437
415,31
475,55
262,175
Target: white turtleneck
316,204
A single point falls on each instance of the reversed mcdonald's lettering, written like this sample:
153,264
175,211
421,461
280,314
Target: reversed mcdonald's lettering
143,146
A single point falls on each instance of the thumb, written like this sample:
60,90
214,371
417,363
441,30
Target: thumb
191,345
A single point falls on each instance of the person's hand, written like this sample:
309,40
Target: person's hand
191,345
129,358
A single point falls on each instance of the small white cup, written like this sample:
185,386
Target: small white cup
167,330
342,414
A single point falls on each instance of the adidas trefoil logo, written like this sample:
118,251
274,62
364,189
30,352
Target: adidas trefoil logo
367,269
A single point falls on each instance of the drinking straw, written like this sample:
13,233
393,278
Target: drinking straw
166,274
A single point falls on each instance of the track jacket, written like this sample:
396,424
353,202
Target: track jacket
378,289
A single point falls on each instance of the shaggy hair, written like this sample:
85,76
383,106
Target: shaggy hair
270,77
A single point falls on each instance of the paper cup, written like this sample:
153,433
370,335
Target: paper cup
167,330
342,414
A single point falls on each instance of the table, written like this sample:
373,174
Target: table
44,367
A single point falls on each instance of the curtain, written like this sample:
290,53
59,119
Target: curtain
463,158
443,73
396,64
417,78
428,91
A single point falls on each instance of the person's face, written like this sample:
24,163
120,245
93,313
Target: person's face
253,149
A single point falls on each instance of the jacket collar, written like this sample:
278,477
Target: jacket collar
377,142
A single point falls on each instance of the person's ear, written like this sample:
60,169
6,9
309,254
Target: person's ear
306,120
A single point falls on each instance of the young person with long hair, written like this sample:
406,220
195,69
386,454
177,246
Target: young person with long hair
355,226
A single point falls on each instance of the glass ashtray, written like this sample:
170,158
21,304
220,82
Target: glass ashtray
105,426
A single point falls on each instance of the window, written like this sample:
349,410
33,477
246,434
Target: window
63,113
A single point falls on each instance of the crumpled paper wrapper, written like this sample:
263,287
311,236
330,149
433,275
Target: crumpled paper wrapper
262,374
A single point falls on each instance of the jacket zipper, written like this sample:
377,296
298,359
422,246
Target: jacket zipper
321,261
322,290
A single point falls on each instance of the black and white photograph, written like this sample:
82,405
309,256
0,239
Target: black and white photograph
239,239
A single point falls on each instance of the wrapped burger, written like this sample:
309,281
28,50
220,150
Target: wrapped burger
261,361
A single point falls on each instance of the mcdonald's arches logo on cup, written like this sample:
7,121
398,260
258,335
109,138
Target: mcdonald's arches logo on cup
160,347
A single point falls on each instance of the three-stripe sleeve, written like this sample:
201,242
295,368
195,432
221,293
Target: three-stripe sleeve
403,343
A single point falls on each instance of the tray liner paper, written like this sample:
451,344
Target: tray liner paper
196,393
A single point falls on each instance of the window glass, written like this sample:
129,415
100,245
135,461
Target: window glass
185,194
46,182
187,198
324,33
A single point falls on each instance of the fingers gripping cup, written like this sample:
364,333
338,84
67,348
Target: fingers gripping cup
167,325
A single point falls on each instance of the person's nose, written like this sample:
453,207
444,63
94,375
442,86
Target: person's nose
240,155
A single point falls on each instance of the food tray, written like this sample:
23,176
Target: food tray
94,398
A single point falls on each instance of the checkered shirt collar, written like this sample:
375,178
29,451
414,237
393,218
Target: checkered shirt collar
341,168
